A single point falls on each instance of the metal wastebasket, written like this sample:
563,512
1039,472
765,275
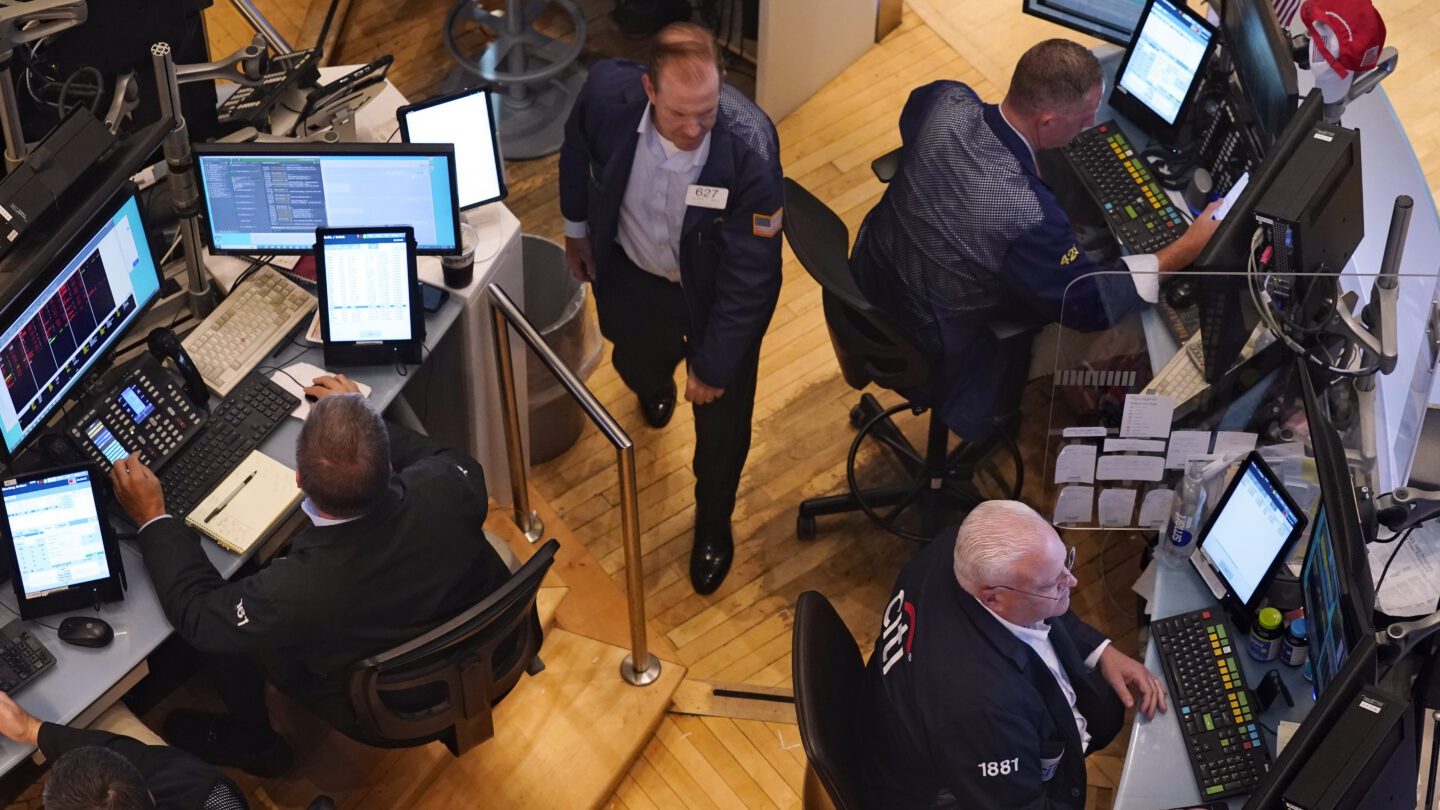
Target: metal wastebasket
556,303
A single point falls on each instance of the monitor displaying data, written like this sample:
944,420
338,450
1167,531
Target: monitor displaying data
270,198
367,287
466,121
1165,60
1111,20
49,338
1323,597
1250,532
56,530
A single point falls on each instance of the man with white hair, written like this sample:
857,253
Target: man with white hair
984,690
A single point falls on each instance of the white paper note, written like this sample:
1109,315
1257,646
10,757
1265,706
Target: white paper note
1116,507
1074,505
1075,464
1147,416
1233,444
291,380
1084,432
1130,468
1155,509
1413,583
1185,445
1134,445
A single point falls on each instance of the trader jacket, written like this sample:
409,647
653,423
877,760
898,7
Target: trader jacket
959,713
730,258
343,592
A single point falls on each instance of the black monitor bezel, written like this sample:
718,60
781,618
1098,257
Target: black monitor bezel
53,268
1138,113
402,114
322,150
109,589
366,353
1281,50
1077,21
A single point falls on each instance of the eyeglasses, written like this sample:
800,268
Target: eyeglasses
1069,569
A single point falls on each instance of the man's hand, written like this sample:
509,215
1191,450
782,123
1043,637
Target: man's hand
699,393
328,385
18,724
138,490
1125,673
580,258
1181,253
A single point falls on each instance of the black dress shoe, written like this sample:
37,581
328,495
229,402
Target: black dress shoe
659,409
710,559
219,740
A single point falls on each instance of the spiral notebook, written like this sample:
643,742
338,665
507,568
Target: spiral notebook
244,507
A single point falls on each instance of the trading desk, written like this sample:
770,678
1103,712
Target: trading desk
84,682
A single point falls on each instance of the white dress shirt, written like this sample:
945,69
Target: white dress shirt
653,210
320,520
1038,638
1144,268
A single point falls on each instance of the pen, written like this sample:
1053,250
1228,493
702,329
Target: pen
231,496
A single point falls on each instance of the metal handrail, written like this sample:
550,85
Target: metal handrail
506,316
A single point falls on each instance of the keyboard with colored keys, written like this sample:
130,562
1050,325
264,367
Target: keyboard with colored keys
1136,208
1210,699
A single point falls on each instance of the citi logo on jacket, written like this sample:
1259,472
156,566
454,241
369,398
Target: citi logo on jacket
897,630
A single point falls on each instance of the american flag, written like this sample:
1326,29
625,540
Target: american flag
1285,10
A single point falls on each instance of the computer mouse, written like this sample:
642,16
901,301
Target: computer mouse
311,398
84,631
1180,294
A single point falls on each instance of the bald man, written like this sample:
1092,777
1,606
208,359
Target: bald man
984,690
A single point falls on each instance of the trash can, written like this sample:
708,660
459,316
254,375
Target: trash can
556,304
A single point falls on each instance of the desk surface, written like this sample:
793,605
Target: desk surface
1157,767
81,676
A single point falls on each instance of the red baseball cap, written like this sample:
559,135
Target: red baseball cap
1357,26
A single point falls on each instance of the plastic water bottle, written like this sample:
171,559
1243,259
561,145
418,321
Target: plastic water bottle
1180,540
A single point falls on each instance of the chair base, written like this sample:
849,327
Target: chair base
940,483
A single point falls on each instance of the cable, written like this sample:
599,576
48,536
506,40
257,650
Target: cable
16,614
1381,581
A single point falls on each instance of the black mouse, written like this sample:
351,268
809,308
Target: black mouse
311,398
1180,294
83,631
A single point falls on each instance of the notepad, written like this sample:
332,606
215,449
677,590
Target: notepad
255,497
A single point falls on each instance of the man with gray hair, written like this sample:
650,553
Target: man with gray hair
984,690
968,231
396,548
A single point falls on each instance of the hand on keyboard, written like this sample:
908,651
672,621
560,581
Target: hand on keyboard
138,490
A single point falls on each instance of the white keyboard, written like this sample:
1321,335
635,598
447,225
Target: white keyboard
1183,378
233,340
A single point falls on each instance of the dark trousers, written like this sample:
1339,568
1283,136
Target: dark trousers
645,317
240,681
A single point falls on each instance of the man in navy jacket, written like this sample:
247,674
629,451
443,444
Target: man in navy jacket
670,188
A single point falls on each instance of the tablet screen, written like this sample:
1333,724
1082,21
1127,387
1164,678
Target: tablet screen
368,286
466,122
56,530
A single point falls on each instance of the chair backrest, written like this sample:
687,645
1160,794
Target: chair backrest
441,685
868,343
829,679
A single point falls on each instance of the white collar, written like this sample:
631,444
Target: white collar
696,156
321,520
1023,139
1040,632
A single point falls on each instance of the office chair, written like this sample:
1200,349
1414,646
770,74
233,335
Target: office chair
442,685
828,675
871,347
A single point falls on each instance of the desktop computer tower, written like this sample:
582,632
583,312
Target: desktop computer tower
1313,215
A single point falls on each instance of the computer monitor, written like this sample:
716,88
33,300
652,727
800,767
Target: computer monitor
270,197
1111,20
1250,532
1162,67
54,332
1264,65
465,120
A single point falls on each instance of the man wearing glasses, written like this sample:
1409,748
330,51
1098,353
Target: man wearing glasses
984,690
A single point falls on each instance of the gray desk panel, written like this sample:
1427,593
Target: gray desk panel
81,675
1157,768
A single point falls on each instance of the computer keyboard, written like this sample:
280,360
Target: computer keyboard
229,343
22,657
1209,697
242,420
1183,377
1136,207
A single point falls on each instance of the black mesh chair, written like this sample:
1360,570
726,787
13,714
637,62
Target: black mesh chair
871,347
829,676
442,685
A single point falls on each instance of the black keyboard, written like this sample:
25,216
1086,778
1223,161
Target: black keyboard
1182,324
1139,213
1215,709
254,408
22,657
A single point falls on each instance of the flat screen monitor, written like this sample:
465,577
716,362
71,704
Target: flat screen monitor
1110,20
1162,67
1250,531
53,333
269,198
466,121
1324,590
370,305
1264,64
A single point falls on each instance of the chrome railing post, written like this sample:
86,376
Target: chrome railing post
640,667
